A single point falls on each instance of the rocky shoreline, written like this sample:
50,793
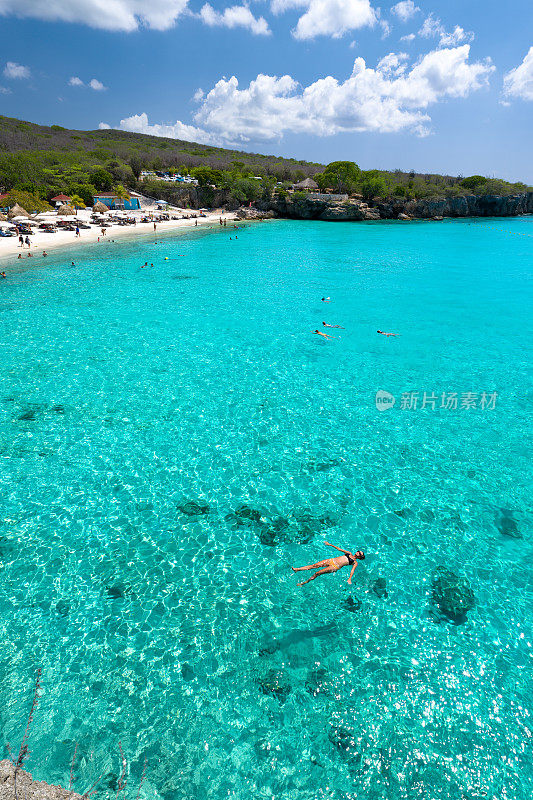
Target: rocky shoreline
27,788
310,207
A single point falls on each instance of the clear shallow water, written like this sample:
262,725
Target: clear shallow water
125,392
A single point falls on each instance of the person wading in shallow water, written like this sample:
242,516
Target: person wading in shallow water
333,564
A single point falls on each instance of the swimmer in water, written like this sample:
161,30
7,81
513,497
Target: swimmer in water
44,253
326,299
325,324
333,564
324,335
3,275
388,334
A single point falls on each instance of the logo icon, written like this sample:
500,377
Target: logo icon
384,400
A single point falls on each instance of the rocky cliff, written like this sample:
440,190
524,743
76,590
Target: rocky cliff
304,207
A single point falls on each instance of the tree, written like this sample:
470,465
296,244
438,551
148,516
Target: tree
101,179
136,166
204,175
474,182
85,190
342,176
373,187
121,192
77,202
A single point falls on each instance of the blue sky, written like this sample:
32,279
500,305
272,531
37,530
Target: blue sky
413,85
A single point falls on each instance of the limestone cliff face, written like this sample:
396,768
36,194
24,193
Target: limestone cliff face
302,207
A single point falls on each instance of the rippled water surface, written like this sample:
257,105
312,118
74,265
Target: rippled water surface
128,395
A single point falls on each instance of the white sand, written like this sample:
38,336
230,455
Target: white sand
40,241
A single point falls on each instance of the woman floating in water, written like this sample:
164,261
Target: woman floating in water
388,334
333,564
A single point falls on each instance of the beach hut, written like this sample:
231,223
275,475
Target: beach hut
17,211
60,200
65,210
308,185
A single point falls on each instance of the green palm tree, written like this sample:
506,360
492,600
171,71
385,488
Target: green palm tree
77,202
121,192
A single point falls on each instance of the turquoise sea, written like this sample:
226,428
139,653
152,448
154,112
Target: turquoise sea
128,394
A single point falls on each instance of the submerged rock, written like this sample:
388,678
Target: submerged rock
275,533
379,587
276,684
507,524
351,604
452,594
342,738
314,683
187,672
247,514
192,508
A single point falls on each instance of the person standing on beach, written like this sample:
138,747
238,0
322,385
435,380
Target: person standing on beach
77,231
27,241
21,240
103,231
333,564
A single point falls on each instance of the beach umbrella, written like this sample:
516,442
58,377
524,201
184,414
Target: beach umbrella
17,211
100,208
3,218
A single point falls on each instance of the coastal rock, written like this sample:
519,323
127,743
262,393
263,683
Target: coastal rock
405,217
253,213
193,508
27,788
452,594
322,207
275,683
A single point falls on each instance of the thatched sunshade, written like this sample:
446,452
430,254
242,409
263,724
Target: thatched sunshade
17,211
3,217
65,210
100,208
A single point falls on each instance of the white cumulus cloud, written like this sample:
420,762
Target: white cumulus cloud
103,126
328,17
15,71
408,38
518,82
390,98
234,17
405,10
74,81
113,15
138,123
433,27
97,85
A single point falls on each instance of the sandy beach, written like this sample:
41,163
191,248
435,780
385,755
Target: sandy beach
41,241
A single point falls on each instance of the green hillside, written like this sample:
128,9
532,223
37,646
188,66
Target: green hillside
46,161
